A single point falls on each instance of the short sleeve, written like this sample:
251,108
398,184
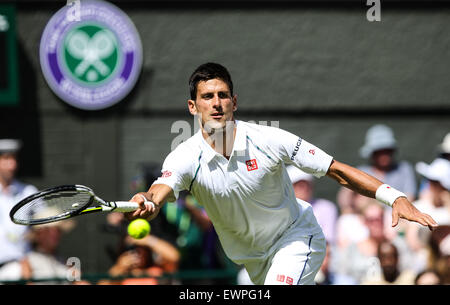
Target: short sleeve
176,171
294,150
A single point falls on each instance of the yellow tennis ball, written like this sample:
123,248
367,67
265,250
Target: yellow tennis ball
139,228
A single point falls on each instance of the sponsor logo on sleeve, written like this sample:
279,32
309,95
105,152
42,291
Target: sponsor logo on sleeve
297,147
166,174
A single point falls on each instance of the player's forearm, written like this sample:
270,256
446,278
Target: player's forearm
354,179
160,194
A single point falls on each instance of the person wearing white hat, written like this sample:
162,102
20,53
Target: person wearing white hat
442,152
13,243
444,147
438,175
437,204
379,150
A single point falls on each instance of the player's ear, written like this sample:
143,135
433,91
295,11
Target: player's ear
192,107
235,102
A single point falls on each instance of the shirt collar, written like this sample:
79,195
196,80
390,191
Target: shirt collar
240,142
208,152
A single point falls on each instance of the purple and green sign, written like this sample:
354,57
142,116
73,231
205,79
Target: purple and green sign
91,58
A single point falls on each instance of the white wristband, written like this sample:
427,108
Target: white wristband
145,199
387,194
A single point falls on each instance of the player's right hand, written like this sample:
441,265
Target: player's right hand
402,208
146,210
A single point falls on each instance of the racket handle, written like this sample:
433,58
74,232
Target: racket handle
126,206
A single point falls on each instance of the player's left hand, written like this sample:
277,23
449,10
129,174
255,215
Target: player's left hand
402,208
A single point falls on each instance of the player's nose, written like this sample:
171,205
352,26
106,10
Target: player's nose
216,103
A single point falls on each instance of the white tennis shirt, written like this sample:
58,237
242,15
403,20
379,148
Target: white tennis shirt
249,198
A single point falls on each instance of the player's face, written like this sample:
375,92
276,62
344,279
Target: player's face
214,104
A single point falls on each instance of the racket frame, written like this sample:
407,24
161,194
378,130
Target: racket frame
100,205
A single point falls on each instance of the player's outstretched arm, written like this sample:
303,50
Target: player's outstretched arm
368,185
151,202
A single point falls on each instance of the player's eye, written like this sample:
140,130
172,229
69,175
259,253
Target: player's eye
224,95
207,96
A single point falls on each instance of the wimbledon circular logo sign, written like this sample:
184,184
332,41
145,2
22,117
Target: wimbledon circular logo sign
91,54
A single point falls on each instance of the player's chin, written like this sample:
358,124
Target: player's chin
215,124
221,123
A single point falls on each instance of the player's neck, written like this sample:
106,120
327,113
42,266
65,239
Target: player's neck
221,140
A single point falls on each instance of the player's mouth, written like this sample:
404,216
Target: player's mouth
217,115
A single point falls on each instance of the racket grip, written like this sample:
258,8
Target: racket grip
126,206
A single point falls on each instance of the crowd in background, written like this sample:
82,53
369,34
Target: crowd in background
362,246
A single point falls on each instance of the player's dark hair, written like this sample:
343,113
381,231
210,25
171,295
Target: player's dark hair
206,72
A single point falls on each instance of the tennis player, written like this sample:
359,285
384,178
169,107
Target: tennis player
237,171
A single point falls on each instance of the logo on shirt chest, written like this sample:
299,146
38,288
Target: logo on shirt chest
251,165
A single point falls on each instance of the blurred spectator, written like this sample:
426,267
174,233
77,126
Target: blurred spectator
390,274
325,276
191,230
13,244
444,148
325,211
437,205
359,260
41,262
428,277
443,152
350,227
439,258
438,175
143,261
379,149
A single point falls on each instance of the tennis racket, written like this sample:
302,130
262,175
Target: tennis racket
63,202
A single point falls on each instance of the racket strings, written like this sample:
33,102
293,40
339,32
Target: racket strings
52,206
